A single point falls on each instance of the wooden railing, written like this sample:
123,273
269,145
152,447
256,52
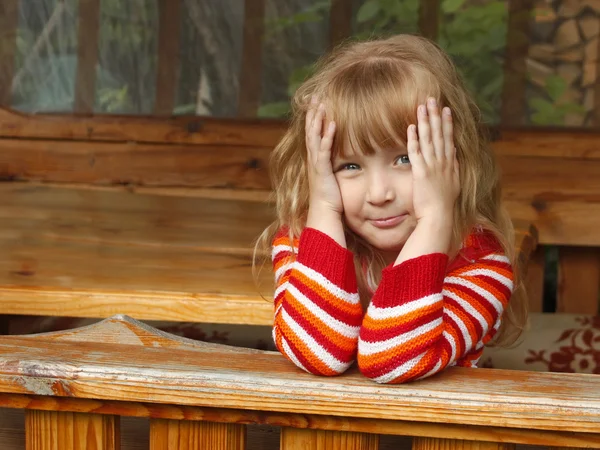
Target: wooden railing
75,385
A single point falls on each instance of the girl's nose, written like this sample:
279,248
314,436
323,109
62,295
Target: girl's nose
380,190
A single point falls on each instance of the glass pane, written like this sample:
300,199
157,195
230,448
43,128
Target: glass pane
46,56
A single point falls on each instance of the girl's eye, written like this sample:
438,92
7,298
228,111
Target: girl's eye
402,159
349,166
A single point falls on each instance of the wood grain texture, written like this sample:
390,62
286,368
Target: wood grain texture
251,70
513,107
87,56
185,434
265,381
9,20
82,253
302,439
51,430
169,33
458,444
135,164
578,280
340,21
114,128
309,421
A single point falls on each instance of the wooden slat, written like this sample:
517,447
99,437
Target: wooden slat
534,281
265,381
513,110
558,142
184,435
87,55
429,18
331,423
50,430
168,56
578,280
340,21
596,110
174,130
9,20
251,68
458,444
135,164
302,439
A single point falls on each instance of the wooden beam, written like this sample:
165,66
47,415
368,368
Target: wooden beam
429,18
169,38
186,434
87,56
513,110
9,19
251,69
340,21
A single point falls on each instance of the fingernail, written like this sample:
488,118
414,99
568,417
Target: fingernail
422,110
432,101
447,111
313,99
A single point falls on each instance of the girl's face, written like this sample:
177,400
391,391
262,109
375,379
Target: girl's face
377,196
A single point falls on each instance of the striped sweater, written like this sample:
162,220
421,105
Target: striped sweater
427,313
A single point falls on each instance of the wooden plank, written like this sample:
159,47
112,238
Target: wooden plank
87,56
184,434
9,20
169,35
303,439
135,164
458,444
340,21
429,18
309,421
51,430
265,381
513,110
174,130
251,68
534,280
578,280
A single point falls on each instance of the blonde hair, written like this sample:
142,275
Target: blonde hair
371,90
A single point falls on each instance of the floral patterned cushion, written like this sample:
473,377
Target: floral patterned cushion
553,342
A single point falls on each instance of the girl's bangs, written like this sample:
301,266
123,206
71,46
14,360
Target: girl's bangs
373,104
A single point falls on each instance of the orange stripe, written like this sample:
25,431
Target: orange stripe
382,324
381,357
304,349
333,336
467,321
336,301
475,303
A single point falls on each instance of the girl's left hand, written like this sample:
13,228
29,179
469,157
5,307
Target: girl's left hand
432,155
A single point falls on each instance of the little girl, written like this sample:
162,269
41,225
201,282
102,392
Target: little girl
388,201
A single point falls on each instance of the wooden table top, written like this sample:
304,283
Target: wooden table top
93,253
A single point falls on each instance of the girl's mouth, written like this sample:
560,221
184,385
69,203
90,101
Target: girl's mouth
388,222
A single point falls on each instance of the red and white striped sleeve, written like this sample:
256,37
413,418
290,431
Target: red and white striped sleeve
317,308
422,319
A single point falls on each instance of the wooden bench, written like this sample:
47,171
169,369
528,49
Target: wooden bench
75,385
171,241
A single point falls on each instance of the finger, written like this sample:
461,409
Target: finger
317,125
435,122
310,114
327,140
424,130
448,129
413,147
313,136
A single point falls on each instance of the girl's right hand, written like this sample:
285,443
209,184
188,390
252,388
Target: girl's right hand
324,190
